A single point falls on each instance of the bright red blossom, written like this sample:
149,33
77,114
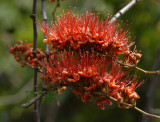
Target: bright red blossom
88,32
84,59
87,73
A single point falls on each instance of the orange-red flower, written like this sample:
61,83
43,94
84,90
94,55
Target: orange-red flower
87,73
86,48
88,32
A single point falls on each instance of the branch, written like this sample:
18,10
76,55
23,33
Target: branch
33,16
34,100
123,10
38,68
57,5
129,105
43,11
134,66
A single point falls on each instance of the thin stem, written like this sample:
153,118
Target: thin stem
123,10
44,15
57,5
33,16
38,97
142,70
145,113
43,11
34,100
134,66
38,68
129,105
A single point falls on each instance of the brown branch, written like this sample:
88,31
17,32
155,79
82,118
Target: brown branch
132,106
38,97
57,5
33,16
129,105
38,68
134,66
43,11
34,100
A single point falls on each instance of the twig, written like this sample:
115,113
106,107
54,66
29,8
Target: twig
57,5
145,113
134,66
33,16
34,100
43,11
142,70
129,105
123,10
38,97
38,68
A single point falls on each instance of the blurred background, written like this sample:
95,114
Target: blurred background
15,24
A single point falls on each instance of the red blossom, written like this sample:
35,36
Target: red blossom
87,73
88,32
23,53
86,48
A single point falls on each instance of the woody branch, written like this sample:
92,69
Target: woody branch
35,36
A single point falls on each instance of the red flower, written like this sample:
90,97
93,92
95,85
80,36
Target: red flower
87,73
23,53
88,32
86,48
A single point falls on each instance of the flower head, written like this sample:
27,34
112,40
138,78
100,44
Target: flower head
87,73
87,48
88,32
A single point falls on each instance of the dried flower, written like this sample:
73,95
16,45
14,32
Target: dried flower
23,53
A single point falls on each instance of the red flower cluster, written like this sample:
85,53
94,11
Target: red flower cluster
86,47
23,53
87,73
89,32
